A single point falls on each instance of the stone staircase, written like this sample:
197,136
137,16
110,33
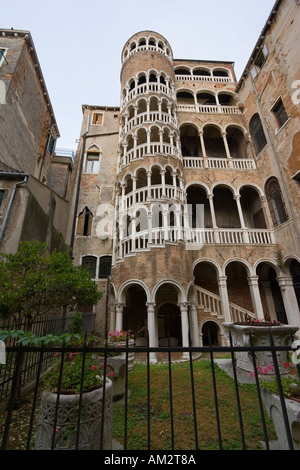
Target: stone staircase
210,303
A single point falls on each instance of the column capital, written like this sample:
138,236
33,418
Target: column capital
253,280
222,280
285,280
183,305
150,304
119,305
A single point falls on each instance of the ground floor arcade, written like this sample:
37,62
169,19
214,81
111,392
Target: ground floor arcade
215,294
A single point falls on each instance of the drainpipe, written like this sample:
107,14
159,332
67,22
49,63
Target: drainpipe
12,196
286,190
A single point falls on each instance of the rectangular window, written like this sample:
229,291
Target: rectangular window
105,267
280,113
259,62
92,162
98,119
90,263
51,144
2,55
1,196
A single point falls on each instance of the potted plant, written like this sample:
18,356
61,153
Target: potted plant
120,338
291,391
75,396
257,333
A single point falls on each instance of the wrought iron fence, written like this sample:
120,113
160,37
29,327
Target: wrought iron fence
125,434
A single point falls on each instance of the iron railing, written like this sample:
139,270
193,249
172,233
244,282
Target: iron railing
146,353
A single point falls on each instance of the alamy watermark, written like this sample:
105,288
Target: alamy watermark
296,94
169,222
296,344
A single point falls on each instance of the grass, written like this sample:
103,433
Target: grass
184,424
160,412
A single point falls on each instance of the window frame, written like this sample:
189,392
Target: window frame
96,158
3,56
2,197
89,267
84,223
276,202
277,116
254,136
259,61
94,115
104,259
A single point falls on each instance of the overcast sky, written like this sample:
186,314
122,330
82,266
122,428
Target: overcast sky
79,43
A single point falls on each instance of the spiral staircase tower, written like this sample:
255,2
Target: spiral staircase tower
150,215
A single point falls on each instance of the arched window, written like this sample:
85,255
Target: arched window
257,133
104,267
90,263
84,225
275,201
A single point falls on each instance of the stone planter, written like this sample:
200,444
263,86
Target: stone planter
116,364
260,337
122,344
66,426
274,411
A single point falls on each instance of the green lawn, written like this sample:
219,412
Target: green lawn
183,417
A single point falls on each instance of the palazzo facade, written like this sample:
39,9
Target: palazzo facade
186,197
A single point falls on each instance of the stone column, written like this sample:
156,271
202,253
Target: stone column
184,326
121,237
228,155
163,182
165,214
112,321
213,217
148,172
242,220
134,178
194,324
266,211
151,329
289,299
222,284
255,296
269,298
119,316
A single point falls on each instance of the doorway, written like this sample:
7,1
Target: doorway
169,323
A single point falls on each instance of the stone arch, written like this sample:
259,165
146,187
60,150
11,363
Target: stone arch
201,71
206,272
238,271
211,332
224,197
198,206
253,212
190,140
180,290
182,70
141,177
213,141
141,104
220,72
121,293
134,296
270,292
206,97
